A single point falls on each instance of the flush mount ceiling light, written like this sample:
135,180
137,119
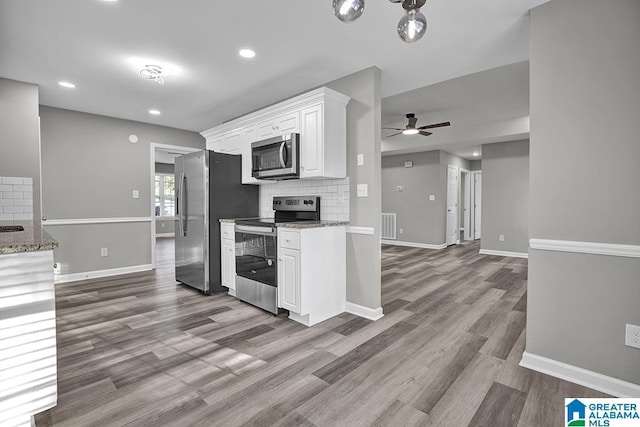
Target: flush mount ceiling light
246,53
152,72
67,85
154,112
411,27
476,154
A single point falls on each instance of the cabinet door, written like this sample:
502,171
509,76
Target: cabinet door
289,279
312,142
232,142
228,264
286,123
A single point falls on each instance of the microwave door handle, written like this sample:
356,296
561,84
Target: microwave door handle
283,153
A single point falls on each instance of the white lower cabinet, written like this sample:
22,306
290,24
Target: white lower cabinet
312,273
228,256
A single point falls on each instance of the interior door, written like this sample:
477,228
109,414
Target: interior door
467,205
477,204
452,205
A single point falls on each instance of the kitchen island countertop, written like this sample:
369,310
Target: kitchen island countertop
32,239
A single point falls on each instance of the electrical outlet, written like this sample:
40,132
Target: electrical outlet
162,224
401,231
400,188
501,237
56,268
104,252
632,336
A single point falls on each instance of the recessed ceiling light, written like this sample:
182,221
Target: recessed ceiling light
476,154
67,85
246,53
154,112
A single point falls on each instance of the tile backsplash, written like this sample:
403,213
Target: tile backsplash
334,196
16,198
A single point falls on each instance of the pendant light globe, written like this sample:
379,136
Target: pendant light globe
348,10
412,26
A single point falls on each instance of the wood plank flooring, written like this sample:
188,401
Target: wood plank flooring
142,350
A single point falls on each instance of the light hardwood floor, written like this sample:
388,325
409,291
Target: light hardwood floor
141,350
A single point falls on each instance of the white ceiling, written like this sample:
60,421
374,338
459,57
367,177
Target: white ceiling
300,44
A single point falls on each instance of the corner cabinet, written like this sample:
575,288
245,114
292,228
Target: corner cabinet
228,256
312,273
320,116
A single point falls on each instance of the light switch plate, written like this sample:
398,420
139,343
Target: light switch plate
363,190
400,188
408,164
360,159
432,197
135,194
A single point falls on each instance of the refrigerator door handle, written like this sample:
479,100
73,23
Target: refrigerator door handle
178,192
185,212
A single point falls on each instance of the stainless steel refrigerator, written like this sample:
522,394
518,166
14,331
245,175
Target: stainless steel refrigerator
208,187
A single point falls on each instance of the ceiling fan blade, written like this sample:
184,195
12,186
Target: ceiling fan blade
436,125
394,134
412,122
423,133
392,128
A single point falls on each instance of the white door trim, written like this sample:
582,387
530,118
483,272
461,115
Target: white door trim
456,220
152,167
466,203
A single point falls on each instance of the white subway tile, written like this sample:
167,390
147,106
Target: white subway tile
21,202
6,187
27,209
23,188
11,180
11,195
12,209
23,216
27,181
6,202
27,195
6,217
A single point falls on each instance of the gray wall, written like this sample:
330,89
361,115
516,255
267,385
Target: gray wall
505,196
19,135
164,168
476,165
422,220
584,182
363,136
89,169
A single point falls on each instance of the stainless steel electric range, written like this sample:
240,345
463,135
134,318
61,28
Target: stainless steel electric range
257,247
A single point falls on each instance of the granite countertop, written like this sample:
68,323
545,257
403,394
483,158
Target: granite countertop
32,239
296,225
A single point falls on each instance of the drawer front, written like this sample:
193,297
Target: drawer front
228,231
290,239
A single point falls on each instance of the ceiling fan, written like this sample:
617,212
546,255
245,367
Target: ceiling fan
411,128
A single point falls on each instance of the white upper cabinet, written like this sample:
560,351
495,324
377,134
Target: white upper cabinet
286,123
320,116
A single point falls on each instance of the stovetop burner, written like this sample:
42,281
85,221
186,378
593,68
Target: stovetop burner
289,209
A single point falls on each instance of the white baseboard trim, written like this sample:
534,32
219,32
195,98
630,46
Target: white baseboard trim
595,248
369,231
64,278
165,235
584,377
78,221
362,311
413,244
504,253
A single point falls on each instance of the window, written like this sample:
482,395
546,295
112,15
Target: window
165,195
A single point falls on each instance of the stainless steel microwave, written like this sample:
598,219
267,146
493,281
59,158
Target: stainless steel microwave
276,158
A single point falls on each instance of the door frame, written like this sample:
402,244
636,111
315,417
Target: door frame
472,233
456,240
152,164
466,202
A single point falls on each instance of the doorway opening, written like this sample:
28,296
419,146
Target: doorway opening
464,205
162,181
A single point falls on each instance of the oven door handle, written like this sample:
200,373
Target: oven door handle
249,229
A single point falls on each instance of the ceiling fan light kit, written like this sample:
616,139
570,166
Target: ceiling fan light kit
411,27
411,128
